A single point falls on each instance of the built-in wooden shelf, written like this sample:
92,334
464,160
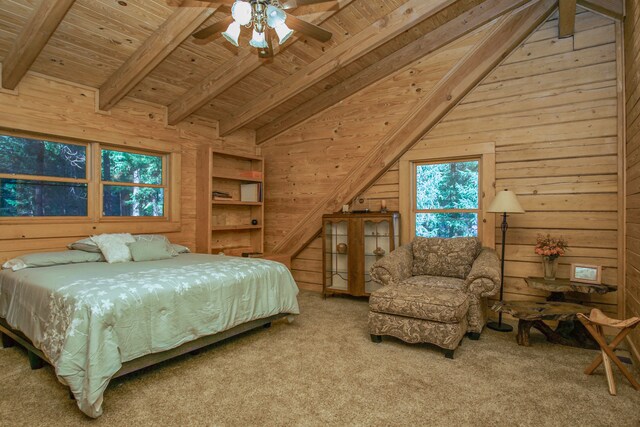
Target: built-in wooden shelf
235,227
231,250
235,203
223,171
236,155
234,177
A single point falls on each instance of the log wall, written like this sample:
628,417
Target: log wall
632,83
552,110
50,106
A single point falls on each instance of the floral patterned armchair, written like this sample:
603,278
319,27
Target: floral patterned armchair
434,280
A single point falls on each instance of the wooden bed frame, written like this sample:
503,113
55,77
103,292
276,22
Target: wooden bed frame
10,337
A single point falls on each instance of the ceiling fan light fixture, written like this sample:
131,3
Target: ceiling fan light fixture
258,40
275,16
242,12
232,33
283,32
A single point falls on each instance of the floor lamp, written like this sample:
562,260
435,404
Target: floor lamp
505,203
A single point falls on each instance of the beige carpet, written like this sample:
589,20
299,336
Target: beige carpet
324,370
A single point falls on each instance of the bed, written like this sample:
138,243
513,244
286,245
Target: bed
96,321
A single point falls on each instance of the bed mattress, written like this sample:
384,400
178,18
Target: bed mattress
90,318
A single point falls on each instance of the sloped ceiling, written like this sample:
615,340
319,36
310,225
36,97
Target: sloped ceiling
93,39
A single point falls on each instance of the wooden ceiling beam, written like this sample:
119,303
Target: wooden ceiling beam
503,38
412,13
567,19
32,39
231,73
446,33
611,8
175,30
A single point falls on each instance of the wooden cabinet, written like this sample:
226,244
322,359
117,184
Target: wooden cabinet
229,225
351,243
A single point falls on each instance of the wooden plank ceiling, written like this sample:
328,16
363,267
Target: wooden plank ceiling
143,49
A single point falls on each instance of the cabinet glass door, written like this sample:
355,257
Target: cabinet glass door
377,243
336,255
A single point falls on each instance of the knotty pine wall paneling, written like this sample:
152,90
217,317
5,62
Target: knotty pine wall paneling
303,164
48,106
632,93
551,109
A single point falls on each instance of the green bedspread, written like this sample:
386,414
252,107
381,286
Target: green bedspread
90,318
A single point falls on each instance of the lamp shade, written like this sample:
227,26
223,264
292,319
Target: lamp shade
275,16
505,202
258,40
283,32
232,33
242,12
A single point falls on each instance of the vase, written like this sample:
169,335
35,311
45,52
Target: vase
549,267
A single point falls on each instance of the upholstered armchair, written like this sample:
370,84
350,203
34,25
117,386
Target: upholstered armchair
434,290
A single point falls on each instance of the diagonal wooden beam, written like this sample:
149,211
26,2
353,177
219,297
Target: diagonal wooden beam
402,19
430,42
32,39
505,36
175,30
567,19
229,74
611,8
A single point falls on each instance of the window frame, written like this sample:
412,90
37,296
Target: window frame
95,222
441,152
164,185
86,180
414,188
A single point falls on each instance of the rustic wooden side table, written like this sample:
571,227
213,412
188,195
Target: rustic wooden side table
531,314
559,287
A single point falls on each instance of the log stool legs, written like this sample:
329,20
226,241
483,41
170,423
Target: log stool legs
594,324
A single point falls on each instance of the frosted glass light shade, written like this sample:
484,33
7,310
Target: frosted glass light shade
505,202
258,40
283,32
232,33
241,12
275,16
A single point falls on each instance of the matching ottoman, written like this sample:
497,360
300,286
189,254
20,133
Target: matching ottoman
419,314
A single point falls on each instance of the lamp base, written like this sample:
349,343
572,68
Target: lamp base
500,327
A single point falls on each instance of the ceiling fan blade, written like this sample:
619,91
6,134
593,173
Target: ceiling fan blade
267,52
197,3
308,29
292,4
212,30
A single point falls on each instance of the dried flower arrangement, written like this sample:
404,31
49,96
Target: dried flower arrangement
551,247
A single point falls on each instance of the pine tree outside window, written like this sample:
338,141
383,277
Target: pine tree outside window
40,178
45,181
446,200
133,184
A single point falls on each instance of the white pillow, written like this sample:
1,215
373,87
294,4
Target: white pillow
114,246
14,264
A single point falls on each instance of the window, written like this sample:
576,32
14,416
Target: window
69,182
42,178
133,184
446,198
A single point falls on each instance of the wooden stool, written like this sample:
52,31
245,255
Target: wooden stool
594,323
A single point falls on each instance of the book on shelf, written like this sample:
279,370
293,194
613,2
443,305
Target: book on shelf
221,194
252,254
250,192
221,198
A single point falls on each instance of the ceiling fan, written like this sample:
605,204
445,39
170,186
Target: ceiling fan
265,16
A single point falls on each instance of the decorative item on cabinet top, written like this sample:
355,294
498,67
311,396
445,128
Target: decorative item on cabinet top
352,242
